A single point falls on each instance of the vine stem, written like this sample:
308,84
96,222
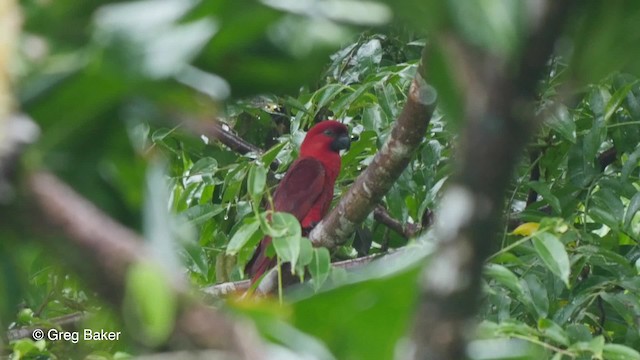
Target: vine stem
545,345
515,244
279,280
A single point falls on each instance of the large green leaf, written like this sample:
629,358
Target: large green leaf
385,305
286,233
553,254
248,230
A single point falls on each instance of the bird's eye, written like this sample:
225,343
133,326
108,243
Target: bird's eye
328,132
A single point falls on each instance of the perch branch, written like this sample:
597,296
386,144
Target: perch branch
223,289
220,132
214,291
387,165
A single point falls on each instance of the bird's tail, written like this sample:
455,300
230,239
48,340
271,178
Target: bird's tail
260,263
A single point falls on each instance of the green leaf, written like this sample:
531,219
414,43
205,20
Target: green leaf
539,295
204,166
286,233
543,189
271,154
256,181
504,276
387,99
596,346
578,333
616,99
503,348
620,352
630,164
233,183
160,134
319,267
27,348
593,140
242,235
306,251
199,214
553,331
581,169
626,305
562,122
553,254
607,208
150,303
364,320
326,94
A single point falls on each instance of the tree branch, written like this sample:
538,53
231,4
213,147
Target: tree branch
223,289
500,120
408,231
110,249
607,157
222,132
68,321
384,170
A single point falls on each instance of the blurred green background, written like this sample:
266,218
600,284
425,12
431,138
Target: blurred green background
110,84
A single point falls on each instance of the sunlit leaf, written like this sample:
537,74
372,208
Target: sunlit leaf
526,229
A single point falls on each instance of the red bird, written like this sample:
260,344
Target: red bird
306,190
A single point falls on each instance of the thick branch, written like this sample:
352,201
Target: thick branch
500,119
220,290
110,246
109,249
387,165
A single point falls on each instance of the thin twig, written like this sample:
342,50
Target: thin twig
408,231
219,131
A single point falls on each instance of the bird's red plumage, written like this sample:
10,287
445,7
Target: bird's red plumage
306,190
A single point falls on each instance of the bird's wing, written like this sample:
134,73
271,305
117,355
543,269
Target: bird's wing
300,188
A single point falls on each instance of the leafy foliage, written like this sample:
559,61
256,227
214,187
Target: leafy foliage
109,98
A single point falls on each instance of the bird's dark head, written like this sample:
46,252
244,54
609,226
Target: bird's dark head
326,136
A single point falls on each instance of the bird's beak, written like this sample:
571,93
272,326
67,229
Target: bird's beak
341,142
